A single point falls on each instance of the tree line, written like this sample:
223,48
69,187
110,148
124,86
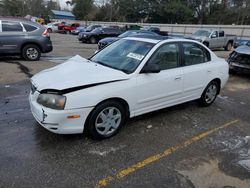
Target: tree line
166,11
152,11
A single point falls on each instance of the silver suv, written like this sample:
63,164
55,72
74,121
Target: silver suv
23,37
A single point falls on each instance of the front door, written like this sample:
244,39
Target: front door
159,90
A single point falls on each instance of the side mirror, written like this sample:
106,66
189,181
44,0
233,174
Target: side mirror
214,36
151,68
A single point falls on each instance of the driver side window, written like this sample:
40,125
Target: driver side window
167,56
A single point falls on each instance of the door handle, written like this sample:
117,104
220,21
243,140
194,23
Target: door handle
209,71
177,78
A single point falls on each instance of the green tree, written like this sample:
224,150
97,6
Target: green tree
82,8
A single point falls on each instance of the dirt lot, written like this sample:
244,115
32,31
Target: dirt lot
182,146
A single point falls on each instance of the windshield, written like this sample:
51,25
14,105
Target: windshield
124,55
97,30
248,43
202,33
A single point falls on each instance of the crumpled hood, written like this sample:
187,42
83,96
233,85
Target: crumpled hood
243,49
76,72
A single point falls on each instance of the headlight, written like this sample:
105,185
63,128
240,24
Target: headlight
84,35
56,102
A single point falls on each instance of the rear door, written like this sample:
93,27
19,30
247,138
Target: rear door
197,69
11,36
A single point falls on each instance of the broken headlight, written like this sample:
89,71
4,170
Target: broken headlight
53,101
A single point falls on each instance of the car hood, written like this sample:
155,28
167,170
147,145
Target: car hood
76,72
198,38
243,50
109,39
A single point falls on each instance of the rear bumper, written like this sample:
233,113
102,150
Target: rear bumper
47,47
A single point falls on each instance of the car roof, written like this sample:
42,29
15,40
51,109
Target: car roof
23,20
157,39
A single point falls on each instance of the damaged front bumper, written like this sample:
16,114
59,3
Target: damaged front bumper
58,121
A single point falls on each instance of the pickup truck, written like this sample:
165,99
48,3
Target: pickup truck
69,27
214,38
156,30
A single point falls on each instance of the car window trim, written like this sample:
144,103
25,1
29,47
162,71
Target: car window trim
182,53
166,43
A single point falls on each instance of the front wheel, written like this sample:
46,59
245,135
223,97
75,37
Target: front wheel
92,40
209,94
31,52
106,120
228,46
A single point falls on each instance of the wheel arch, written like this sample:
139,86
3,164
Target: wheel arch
218,80
117,99
31,43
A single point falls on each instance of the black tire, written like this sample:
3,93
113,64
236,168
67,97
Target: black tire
92,40
94,117
31,52
67,32
49,30
228,46
203,101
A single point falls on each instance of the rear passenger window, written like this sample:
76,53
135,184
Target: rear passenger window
8,26
29,28
167,56
195,54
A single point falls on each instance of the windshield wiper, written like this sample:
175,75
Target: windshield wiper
103,64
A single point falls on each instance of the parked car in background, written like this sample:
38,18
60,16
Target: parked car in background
130,77
52,27
239,59
97,34
91,28
156,30
25,38
69,27
106,41
214,38
61,25
78,30
240,42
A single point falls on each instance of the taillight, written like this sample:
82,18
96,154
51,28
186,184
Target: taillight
46,33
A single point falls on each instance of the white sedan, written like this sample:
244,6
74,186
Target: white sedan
130,77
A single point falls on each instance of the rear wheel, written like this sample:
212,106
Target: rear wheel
49,30
31,52
209,94
106,120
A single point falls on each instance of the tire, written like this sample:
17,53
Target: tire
228,46
106,120
92,40
49,30
31,52
209,94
